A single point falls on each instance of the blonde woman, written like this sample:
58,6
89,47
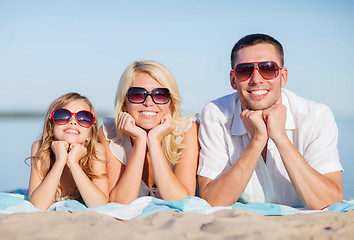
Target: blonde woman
151,149
68,162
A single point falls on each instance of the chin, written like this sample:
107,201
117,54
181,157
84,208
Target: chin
258,106
71,141
147,126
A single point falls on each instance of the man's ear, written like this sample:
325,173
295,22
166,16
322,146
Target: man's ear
233,80
284,76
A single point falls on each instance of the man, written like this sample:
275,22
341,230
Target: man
263,143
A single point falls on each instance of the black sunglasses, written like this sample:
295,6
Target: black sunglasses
139,95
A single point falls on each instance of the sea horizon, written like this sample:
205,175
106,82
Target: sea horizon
20,130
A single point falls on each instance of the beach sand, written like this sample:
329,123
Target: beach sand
225,224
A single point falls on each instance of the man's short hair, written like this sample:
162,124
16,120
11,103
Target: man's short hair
254,39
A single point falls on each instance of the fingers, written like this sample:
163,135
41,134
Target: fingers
125,119
254,123
60,150
167,123
269,122
165,127
58,146
126,124
275,119
76,152
167,118
250,117
278,110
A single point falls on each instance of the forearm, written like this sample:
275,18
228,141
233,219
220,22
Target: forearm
228,187
170,188
128,185
90,193
44,194
315,190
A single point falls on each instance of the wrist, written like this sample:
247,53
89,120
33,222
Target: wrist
60,163
72,163
281,139
151,139
139,139
259,141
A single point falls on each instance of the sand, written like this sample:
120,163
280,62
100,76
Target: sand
226,224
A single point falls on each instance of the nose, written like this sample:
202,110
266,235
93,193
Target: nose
148,101
256,77
72,120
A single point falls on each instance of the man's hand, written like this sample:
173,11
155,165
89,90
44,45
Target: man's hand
254,123
275,118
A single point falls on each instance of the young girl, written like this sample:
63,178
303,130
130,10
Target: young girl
68,162
151,149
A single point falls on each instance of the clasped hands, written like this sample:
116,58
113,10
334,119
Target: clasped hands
266,123
68,154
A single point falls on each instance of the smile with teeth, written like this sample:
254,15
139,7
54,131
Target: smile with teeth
73,131
259,92
148,113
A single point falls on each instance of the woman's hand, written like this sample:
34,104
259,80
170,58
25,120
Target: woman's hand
126,124
163,129
60,150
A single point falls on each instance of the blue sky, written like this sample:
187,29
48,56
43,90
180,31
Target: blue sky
48,48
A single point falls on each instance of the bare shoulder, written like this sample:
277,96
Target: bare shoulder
99,165
35,147
100,134
100,151
192,132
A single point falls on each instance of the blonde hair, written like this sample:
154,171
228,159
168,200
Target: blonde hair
163,76
45,158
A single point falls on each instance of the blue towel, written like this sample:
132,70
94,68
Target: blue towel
14,203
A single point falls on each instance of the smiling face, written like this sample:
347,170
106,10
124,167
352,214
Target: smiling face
256,93
72,132
147,115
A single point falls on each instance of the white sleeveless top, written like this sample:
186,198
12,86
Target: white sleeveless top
121,149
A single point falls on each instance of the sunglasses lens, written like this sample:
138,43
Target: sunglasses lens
84,118
61,116
269,70
244,71
136,95
161,95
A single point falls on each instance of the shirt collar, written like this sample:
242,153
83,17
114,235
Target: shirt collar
239,129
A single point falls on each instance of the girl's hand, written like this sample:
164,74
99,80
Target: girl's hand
126,124
163,129
60,150
76,152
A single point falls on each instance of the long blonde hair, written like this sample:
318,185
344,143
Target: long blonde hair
163,76
45,158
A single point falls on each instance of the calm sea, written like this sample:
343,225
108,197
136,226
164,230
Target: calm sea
18,134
